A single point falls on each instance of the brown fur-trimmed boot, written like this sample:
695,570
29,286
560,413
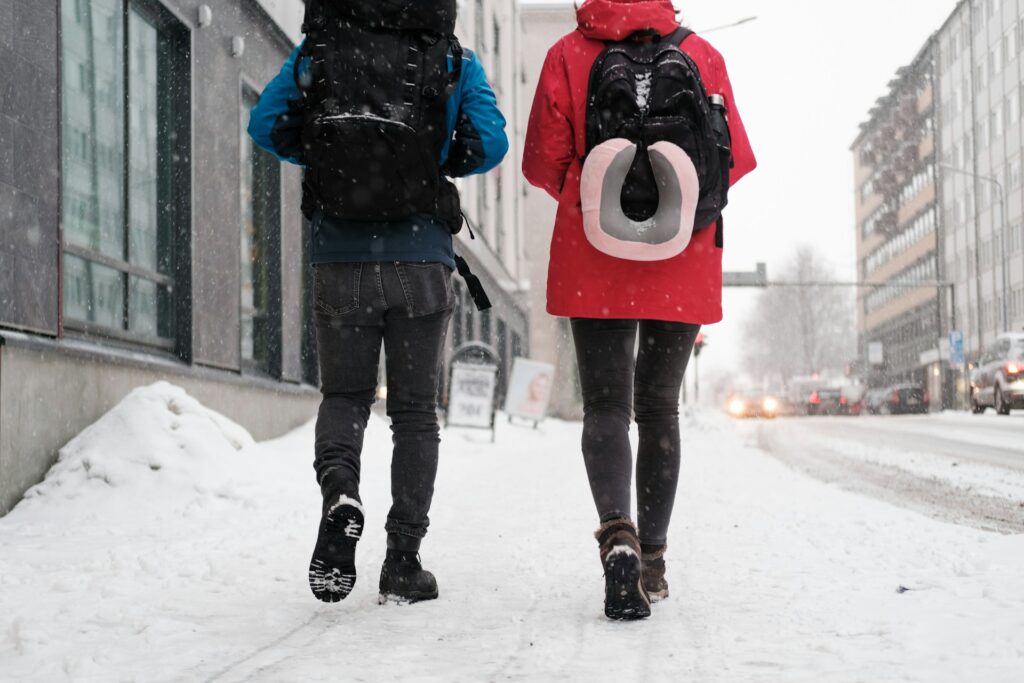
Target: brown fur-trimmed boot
624,594
653,561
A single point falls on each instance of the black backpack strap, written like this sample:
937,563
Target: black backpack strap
456,74
678,36
476,289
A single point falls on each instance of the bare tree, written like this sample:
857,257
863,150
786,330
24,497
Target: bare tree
801,330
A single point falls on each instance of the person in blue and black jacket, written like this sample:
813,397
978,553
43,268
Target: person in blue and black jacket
380,105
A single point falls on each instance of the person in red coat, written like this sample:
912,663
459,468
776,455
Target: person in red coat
610,300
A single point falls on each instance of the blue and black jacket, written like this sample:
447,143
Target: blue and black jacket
476,143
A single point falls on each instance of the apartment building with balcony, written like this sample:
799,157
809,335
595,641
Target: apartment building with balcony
897,216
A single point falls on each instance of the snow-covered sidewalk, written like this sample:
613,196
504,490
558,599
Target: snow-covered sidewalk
167,546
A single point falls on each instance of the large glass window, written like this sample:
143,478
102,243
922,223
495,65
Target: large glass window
125,167
260,250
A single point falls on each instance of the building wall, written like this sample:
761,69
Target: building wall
895,171
55,380
550,339
981,94
29,165
492,202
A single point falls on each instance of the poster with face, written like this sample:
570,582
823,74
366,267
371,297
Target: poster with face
529,390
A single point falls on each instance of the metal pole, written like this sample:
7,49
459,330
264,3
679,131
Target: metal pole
732,25
1005,256
696,380
1002,232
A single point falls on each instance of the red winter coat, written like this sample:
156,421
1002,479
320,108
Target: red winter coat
582,281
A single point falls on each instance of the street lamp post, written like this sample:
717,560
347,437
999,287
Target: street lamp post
734,24
1004,266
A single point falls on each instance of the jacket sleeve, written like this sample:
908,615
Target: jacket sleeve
742,154
550,139
275,123
478,141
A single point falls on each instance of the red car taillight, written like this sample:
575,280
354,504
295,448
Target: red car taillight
1013,370
815,399
844,401
895,398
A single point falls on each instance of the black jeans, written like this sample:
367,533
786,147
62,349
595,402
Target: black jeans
619,381
407,307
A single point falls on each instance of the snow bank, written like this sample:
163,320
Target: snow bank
158,439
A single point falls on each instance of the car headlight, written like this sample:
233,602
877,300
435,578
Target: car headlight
770,405
737,407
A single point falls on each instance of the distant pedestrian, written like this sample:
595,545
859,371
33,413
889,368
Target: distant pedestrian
380,105
635,132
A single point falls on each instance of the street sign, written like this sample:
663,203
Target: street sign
471,397
956,348
876,353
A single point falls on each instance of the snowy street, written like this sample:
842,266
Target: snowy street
955,467
168,546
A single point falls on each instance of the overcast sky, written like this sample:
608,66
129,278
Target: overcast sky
805,75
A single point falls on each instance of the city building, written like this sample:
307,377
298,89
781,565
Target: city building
542,24
896,205
492,202
980,88
143,237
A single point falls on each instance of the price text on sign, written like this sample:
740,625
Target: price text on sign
471,399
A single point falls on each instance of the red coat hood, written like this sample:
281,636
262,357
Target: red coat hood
617,19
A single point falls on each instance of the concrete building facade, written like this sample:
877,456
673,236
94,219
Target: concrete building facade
492,202
542,24
143,237
980,89
896,206
953,212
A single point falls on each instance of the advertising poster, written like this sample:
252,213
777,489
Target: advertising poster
529,390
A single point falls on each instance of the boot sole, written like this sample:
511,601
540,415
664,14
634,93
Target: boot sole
624,597
332,570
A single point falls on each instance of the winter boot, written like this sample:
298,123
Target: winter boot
332,571
403,579
653,561
624,594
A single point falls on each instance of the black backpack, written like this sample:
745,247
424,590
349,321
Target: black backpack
374,107
645,89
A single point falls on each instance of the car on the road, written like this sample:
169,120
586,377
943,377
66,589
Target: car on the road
824,401
874,399
852,400
998,381
753,404
904,399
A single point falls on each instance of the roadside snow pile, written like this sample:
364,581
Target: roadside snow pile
157,439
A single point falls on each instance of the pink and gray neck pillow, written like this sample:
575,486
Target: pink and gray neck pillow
662,236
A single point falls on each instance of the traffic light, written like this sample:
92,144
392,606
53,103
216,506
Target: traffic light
699,344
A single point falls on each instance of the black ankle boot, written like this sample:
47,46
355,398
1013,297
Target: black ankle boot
332,570
404,580
625,596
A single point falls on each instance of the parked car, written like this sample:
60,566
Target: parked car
904,399
998,381
753,404
874,399
852,400
824,401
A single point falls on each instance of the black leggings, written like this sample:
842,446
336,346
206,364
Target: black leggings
618,381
